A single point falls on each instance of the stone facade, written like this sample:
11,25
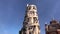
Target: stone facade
31,22
53,27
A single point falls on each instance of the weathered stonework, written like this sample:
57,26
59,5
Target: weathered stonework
31,22
53,27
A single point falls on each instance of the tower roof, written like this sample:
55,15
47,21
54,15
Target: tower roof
53,22
30,5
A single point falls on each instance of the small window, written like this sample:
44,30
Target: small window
27,19
25,23
30,32
34,27
29,7
34,7
24,29
34,19
32,13
30,27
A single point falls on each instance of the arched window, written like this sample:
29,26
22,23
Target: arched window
31,27
35,20
32,12
34,7
30,32
28,19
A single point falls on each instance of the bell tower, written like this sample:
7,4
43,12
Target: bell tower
31,22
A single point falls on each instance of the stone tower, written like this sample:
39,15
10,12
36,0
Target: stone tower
31,22
53,27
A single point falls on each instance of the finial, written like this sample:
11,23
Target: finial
27,5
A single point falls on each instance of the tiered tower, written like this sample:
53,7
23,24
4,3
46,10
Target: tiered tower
31,22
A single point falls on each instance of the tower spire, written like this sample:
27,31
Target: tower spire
53,18
27,5
31,22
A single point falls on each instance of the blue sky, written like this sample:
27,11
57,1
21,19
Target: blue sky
12,14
